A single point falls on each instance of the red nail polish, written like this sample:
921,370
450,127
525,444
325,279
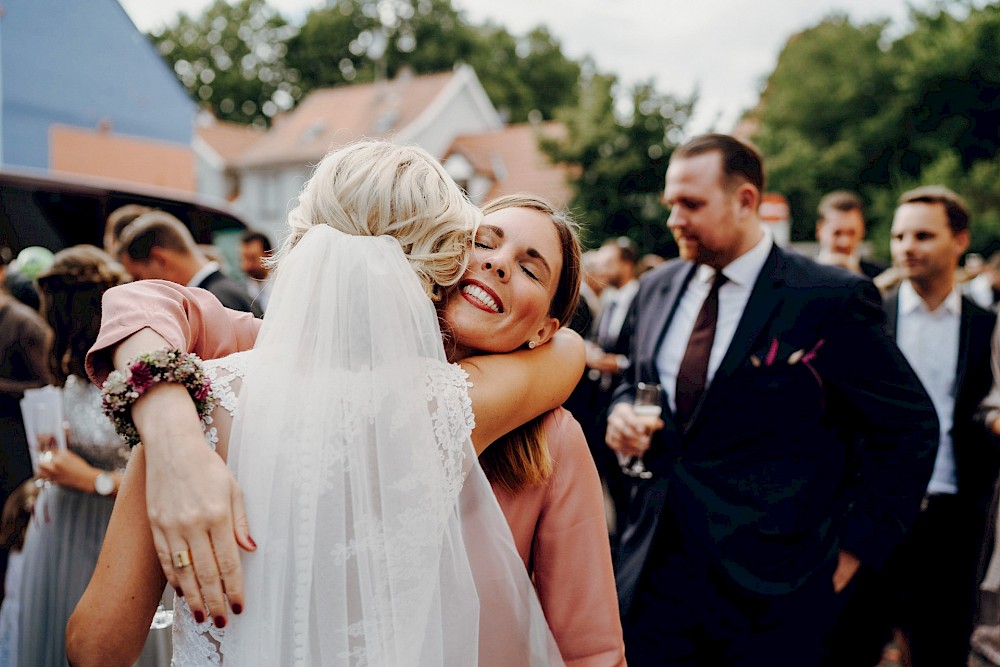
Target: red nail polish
220,621
199,616
180,593
237,608
252,543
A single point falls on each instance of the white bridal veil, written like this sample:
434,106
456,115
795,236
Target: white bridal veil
380,541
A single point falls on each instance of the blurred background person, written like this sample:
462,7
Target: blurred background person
840,230
926,592
116,223
255,247
21,274
607,361
984,287
647,262
62,544
24,337
16,515
158,245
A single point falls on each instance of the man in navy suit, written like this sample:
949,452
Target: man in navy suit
158,246
760,509
927,590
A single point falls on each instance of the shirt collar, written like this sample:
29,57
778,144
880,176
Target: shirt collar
205,271
744,269
627,291
910,301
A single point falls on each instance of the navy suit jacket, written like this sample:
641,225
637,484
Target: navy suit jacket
763,482
977,459
230,293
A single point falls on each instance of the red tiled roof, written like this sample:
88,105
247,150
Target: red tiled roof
229,140
512,158
329,117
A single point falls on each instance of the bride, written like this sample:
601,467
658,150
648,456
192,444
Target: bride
351,436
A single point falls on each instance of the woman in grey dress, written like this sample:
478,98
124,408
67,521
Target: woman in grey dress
72,513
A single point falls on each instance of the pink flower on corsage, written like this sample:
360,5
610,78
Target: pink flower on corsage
142,376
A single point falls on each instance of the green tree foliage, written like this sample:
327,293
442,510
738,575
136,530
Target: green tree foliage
247,63
232,58
360,40
621,155
848,108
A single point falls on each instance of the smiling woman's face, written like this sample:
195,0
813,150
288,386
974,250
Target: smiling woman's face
503,301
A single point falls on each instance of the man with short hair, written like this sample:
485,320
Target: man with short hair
157,245
117,221
840,229
254,249
758,512
931,576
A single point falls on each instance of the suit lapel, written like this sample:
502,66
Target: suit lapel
670,292
964,338
765,298
891,309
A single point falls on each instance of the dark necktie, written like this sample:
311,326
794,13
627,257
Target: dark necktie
604,338
693,372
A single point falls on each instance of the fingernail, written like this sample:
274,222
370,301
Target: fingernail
252,543
237,608
220,621
199,616
180,593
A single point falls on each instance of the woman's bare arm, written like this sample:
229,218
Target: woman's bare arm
110,623
193,501
509,390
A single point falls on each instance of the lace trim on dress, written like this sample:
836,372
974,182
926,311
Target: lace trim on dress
447,392
194,644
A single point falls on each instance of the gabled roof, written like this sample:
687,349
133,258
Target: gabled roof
511,158
228,141
329,117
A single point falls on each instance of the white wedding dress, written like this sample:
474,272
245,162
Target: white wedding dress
380,541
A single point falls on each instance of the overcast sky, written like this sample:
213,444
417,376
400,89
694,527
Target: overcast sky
722,48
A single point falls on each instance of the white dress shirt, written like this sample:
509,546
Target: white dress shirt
616,310
204,272
741,275
929,341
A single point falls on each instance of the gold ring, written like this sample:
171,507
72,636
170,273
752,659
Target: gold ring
182,558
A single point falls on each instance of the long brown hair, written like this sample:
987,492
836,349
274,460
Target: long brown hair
71,292
521,458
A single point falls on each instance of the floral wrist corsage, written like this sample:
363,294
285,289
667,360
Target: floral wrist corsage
123,388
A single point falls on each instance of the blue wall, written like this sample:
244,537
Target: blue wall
76,62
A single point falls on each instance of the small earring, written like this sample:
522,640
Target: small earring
532,345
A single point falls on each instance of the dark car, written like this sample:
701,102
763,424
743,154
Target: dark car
56,210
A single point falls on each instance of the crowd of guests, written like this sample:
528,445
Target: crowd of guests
55,516
822,483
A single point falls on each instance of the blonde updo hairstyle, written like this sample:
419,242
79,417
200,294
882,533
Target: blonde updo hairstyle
377,188
71,291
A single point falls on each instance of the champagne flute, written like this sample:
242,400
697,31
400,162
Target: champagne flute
647,408
47,425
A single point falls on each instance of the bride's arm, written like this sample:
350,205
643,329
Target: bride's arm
512,389
110,623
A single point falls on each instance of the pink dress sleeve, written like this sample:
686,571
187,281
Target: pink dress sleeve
571,555
189,318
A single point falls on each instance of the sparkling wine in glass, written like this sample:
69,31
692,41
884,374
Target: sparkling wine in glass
647,408
47,423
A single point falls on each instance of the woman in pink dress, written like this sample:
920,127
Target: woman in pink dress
519,288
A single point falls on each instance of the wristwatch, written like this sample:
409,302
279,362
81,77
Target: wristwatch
104,484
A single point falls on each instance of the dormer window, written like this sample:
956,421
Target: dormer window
313,132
